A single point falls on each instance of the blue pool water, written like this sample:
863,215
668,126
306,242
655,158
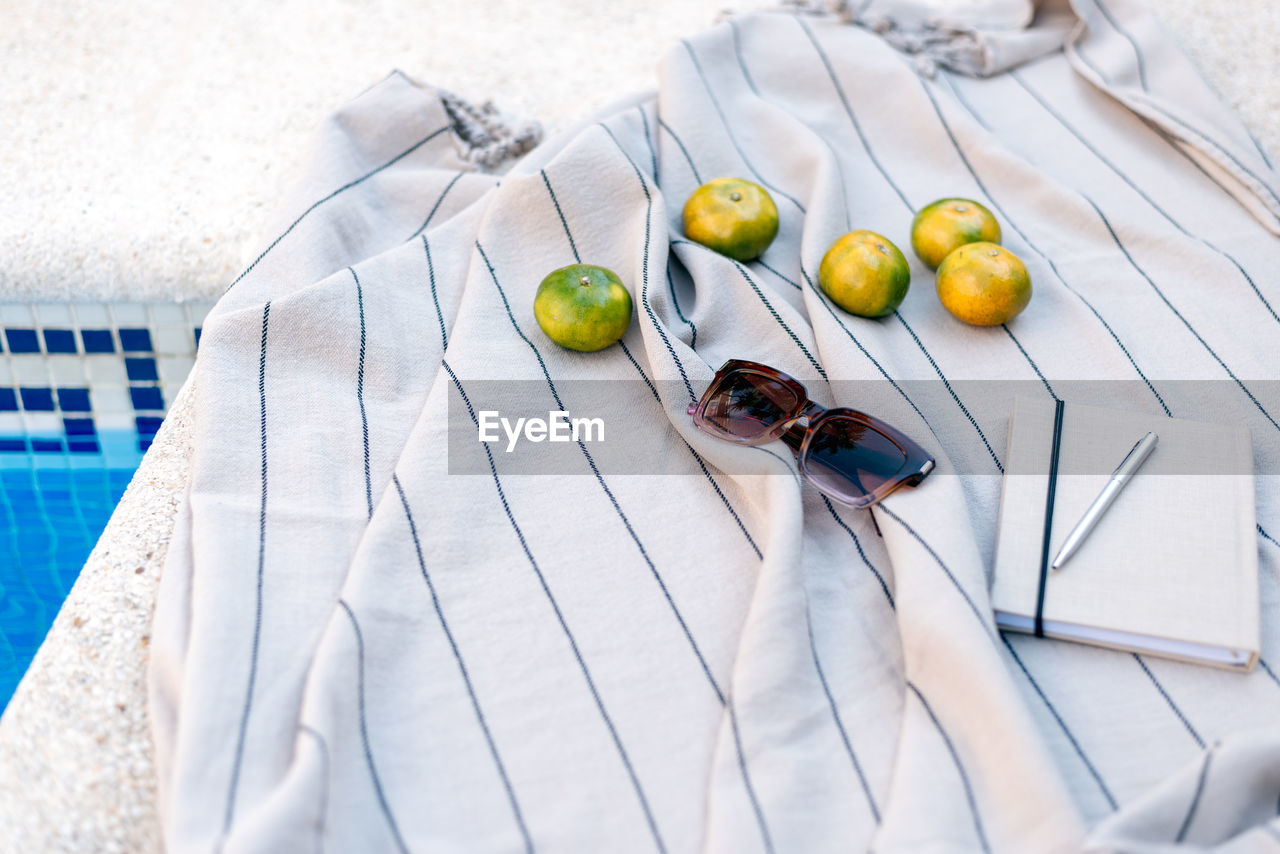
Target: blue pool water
83,390
51,519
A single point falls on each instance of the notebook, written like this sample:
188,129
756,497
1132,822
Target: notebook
1172,567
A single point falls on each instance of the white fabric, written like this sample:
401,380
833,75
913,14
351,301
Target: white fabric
356,650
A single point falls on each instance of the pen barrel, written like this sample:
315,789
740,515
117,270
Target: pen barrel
1090,518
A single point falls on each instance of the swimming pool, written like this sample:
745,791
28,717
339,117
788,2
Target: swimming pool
83,390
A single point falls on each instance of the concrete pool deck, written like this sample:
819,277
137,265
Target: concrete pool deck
76,770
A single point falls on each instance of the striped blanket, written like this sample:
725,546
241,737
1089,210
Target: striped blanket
377,633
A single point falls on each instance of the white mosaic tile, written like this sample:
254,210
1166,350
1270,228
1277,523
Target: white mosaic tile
15,314
28,370
108,369
53,314
110,400
92,315
173,340
129,314
174,369
66,370
167,314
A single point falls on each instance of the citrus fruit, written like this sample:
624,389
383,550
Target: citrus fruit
732,216
983,284
946,225
583,307
865,274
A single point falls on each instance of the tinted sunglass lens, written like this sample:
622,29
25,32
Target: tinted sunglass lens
850,459
747,404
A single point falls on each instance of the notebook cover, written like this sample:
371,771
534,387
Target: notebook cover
1175,556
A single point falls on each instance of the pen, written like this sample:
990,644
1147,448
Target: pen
1127,468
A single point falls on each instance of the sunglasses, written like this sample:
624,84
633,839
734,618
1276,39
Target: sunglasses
849,455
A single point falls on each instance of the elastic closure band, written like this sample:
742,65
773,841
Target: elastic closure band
1048,515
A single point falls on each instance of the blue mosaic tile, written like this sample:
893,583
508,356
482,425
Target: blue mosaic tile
8,400
59,341
70,399
97,341
46,446
78,426
147,425
146,397
37,399
22,340
141,370
8,443
135,340
83,446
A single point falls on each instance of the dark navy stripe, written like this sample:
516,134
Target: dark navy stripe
858,545
1062,724
737,50
1267,536
364,418
706,668
728,129
336,192
955,757
572,246
765,836
879,367
983,619
439,200
844,736
1169,700
364,733
627,352
1266,668
790,282
1142,69
760,818
675,303
462,669
831,72
888,179
951,391
1142,76
1195,798
756,288
635,538
701,463
1030,361
262,555
694,169
632,359
322,812
1178,314
435,299
648,140
622,516
742,64
1115,169
1048,260
644,286
564,626
1216,145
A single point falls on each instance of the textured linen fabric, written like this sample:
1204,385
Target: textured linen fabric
356,650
